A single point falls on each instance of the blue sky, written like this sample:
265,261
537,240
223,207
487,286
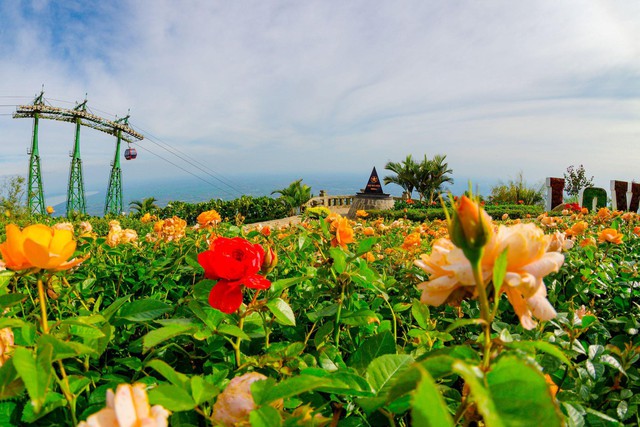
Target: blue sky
330,86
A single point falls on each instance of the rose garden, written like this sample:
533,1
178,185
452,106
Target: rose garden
470,313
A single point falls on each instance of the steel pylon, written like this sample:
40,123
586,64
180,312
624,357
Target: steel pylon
35,194
76,202
113,203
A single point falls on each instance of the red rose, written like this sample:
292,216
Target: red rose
233,263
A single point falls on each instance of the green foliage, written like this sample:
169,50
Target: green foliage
12,197
405,174
144,206
341,336
426,177
294,196
517,191
408,211
246,209
575,179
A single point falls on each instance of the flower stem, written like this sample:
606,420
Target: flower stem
336,336
236,345
45,330
43,307
485,312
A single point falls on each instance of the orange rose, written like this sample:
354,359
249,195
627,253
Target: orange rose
610,235
50,210
589,241
577,229
209,218
342,231
369,231
412,241
38,246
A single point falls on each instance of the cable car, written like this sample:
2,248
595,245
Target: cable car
130,153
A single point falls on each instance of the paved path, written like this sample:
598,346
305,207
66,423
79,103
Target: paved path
293,220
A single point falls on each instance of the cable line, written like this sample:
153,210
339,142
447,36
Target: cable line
180,167
190,160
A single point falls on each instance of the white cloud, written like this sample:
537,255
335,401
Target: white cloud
325,85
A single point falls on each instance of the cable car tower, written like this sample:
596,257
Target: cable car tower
79,115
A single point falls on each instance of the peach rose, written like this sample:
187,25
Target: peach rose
236,402
129,406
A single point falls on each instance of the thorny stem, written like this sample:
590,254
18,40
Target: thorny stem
338,313
236,345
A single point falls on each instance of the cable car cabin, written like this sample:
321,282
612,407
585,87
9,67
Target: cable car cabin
130,153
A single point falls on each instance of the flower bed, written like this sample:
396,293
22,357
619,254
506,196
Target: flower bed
330,322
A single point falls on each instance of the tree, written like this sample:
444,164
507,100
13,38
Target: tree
432,174
294,196
12,195
144,206
575,179
405,174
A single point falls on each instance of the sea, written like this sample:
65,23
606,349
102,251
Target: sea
196,189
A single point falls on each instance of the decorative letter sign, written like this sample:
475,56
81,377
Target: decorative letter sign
593,198
625,196
555,187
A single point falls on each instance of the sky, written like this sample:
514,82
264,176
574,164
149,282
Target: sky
328,86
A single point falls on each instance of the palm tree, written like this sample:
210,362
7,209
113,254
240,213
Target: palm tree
405,174
294,196
144,206
431,176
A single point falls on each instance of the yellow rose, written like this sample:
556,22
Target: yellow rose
129,406
50,210
38,246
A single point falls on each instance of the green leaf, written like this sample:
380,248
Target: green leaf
202,391
64,349
173,376
234,331
479,394
460,323
10,385
341,382
172,397
144,310
9,300
521,394
365,245
292,387
35,372
339,260
82,329
51,402
382,370
282,311
499,272
421,313
359,318
159,335
280,285
265,416
427,406
371,348
543,346
108,312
